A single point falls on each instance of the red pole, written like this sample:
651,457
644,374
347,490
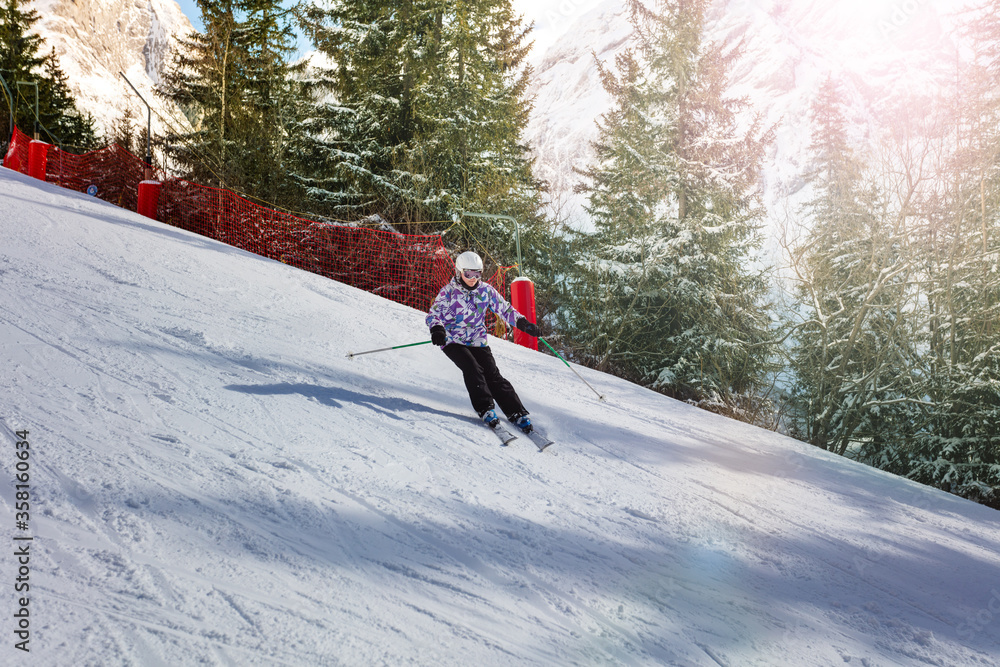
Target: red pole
522,296
149,197
38,157
11,160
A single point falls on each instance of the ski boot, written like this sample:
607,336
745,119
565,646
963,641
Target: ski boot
522,422
490,417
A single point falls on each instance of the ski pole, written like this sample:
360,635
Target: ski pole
351,355
570,367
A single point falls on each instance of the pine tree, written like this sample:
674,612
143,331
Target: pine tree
19,59
426,109
241,95
627,184
854,356
667,293
58,120
124,130
959,449
275,94
58,112
204,80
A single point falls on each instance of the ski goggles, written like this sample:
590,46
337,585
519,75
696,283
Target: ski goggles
472,274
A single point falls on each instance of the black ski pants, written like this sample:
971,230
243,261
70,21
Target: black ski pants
483,379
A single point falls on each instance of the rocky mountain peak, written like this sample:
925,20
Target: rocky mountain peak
97,39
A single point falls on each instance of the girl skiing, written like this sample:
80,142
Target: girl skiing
457,320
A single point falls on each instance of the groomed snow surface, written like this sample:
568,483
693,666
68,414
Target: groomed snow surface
214,482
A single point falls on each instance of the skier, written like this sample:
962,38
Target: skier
457,320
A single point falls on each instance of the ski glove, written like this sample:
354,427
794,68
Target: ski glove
438,336
527,327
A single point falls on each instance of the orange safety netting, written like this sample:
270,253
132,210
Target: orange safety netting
409,269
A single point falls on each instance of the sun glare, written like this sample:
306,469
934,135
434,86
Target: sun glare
851,30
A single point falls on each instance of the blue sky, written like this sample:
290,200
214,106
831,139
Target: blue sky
190,9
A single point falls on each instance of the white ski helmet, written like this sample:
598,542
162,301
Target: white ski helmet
468,261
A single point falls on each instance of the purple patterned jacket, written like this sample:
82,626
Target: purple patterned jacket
462,312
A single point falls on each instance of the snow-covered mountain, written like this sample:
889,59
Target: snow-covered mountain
212,482
878,49
97,39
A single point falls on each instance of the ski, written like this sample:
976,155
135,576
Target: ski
540,440
501,432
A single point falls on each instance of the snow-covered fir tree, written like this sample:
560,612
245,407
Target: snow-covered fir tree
666,290
853,354
242,97
959,447
421,115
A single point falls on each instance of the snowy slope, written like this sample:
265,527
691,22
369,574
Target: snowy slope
215,483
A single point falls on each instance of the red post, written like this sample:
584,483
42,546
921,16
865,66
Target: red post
522,297
149,197
10,160
38,157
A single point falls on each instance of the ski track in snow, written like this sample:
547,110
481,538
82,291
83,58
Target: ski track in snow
215,483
